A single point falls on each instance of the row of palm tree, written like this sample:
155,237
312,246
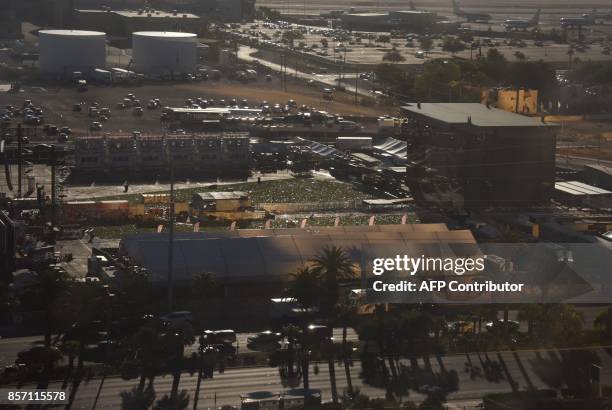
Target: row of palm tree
316,286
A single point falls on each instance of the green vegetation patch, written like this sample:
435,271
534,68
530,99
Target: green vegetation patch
277,191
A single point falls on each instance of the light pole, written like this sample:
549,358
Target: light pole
170,233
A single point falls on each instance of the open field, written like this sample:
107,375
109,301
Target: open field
285,190
58,100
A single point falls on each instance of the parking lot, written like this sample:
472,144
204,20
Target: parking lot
57,102
369,48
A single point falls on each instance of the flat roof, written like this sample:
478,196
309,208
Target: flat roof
136,13
214,110
78,33
156,13
365,15
601,168
165,34
579,188
222,195
414,12
365,157
478,114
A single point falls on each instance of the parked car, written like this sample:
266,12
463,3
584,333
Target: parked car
264,341
178,316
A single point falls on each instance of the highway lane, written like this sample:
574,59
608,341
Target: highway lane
9,347
488,373
241,340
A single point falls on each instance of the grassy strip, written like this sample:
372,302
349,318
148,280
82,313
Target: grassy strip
277,191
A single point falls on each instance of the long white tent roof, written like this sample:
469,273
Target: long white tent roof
249,256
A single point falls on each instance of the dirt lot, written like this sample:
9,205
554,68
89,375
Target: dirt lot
57,101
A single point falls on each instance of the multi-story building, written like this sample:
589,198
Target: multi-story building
90,154
121,155
123,23
218,154
483,155
152,155
232,11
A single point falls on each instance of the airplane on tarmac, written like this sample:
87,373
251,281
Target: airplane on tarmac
470,17
523,24
598,15
577,22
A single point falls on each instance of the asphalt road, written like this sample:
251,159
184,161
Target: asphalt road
245,53
9,347
478,374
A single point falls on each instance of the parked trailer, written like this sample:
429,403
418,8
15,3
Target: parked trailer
121,75
102,76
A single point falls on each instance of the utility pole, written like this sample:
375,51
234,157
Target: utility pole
282,60
356,85
171,234
285,71
53,188
19,160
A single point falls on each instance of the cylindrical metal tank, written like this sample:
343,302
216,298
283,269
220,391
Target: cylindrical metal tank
65,51
161,52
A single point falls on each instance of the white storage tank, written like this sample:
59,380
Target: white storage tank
164,52
65,51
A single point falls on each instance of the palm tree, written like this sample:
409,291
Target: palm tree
71,348
292,334
335,265
84,304
179,401
559,322
305,286
146,343
137,399
328,349
204,285
530,313
604,320
51,283
346,310
180,334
